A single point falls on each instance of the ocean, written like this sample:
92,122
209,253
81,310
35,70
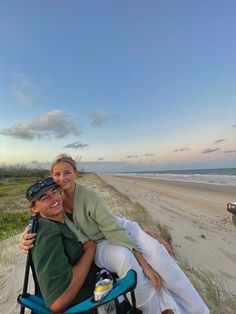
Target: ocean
224,176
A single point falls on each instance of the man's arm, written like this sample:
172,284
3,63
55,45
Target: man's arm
79,274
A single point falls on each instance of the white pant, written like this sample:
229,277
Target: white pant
119,260
177,292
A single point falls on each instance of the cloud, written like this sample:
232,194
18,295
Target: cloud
76,145
21,81
181,149
220,140
210,150
234,126
52,124
101,158
21,88
132,156
147,155
229,151
139,156
23,98
98,118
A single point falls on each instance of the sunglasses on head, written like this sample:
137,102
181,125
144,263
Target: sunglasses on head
38,186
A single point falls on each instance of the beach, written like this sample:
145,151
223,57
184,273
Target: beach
196,215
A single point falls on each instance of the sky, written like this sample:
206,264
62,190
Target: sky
118,85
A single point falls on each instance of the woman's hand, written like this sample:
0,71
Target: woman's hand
148,271
89,245
152,275
27,239
167,246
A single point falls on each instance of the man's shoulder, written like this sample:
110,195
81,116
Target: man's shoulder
47,226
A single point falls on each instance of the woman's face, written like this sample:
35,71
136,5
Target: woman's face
64,174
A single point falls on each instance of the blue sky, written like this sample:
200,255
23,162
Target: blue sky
119,85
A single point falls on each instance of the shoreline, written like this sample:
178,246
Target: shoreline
196,216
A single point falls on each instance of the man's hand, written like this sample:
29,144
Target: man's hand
27,239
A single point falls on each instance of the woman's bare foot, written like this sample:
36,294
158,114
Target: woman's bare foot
168,247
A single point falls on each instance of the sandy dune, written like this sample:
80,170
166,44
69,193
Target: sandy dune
197,218
12,269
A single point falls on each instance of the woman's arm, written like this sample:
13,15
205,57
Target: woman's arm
149,272
79,274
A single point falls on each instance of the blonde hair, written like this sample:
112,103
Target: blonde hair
64,158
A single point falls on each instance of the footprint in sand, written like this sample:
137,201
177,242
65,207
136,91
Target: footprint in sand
189,238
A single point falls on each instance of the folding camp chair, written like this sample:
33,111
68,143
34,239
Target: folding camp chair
121,287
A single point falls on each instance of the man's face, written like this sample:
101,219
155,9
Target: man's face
49,205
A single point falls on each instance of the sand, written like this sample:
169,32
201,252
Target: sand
196,215
12,270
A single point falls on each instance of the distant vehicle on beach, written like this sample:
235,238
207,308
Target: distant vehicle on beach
231,207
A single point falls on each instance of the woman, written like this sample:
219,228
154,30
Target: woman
114,236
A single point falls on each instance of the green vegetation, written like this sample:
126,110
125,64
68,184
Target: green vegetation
12,223
14,212
21,172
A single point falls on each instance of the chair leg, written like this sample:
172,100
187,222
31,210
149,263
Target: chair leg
133,300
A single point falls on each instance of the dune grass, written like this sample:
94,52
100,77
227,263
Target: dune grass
218,297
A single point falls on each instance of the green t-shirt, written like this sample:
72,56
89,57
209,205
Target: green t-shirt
55,252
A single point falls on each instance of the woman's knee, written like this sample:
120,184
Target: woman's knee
125,260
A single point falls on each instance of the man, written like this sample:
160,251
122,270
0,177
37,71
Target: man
64,266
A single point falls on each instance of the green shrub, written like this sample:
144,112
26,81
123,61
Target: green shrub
12,223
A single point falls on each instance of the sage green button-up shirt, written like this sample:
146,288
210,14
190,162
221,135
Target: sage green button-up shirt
93,220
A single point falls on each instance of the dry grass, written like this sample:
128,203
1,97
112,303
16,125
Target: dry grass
218,297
